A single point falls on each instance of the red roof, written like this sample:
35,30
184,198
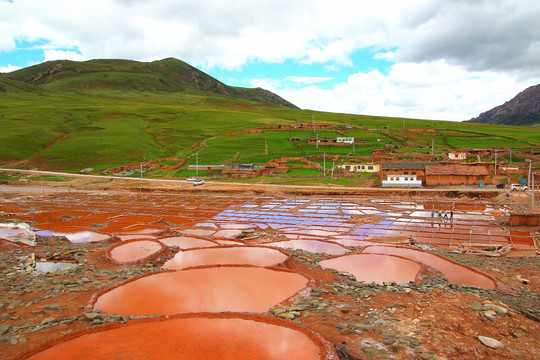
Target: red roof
456,170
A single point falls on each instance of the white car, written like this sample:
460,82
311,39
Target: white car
191,178
518,187
198,182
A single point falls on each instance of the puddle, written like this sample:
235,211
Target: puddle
202,337
211,289
134,250
74,235
457,274
186,242
314,246
234,255
375,267
50,266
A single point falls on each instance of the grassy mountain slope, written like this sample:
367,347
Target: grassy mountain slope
163,75
61,122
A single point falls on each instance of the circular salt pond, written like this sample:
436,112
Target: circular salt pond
456,273
211,289
203,337
234,255
375,267
187,242
314,246
134,250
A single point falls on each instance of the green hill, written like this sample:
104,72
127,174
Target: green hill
108,113
163,75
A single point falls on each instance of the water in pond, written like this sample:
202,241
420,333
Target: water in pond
135,250
375,268
191,338
187,242
234,255
74,235
213,289
457,274
48,266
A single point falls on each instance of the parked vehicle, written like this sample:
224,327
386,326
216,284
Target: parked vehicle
198,182
518,187
191,178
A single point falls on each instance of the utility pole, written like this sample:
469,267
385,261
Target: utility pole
510,156
313,120
317,143
532,192
529,176
496,162
324,164
403,124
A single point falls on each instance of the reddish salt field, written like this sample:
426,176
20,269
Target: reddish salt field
134,250
375,268
117,227
187,242
231,255
315,246
211,289
203,337
457,274
204,281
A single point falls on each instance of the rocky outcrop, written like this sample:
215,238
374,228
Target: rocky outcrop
522,110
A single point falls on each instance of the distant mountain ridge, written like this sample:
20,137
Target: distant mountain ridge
522,110
163,75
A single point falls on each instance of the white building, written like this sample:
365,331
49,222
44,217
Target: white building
345,140
401,180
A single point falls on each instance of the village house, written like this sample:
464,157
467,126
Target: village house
398,172
457,155
457,175
361,168
345,140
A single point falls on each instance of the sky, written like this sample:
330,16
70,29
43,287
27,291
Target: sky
428,59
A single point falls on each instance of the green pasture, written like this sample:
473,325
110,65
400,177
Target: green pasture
66,125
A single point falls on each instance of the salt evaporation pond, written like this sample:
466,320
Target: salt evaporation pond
237,255
375,268
211,289
194,338
456,273
314,246
187,242
75,235
134,250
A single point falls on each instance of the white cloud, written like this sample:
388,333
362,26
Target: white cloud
453,58
63,55
307,79
430,90
9,68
